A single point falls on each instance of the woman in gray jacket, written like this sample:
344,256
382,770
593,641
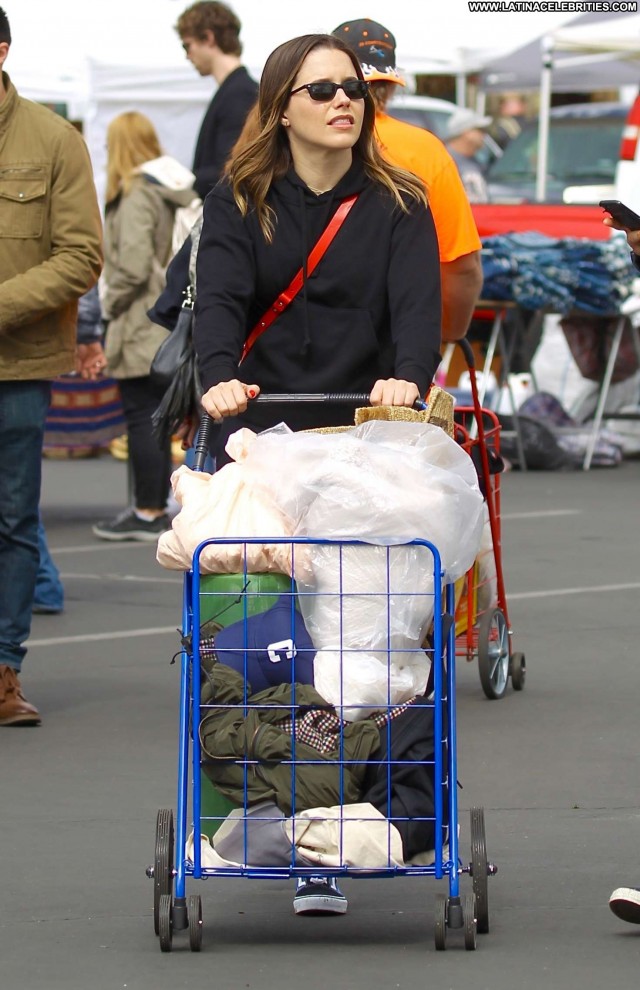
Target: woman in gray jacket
144,188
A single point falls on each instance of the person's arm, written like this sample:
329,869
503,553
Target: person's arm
89,329
225,279
75,260
461,286
460,249
415,307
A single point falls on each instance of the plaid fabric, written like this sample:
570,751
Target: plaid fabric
317,727
320,728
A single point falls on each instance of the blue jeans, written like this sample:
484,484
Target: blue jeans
23,410
49,593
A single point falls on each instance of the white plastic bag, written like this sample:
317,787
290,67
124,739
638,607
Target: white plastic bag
384,483
359,684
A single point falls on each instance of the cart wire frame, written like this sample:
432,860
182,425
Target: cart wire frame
446,860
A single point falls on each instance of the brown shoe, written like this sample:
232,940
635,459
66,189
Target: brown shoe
14,708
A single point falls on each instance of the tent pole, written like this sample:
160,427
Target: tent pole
461,89
543,119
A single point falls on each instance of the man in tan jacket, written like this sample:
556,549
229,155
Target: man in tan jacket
50,254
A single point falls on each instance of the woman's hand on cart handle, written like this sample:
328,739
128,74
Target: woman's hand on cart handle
228,399
394,392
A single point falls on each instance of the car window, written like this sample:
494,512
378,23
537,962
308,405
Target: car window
581,151
432,120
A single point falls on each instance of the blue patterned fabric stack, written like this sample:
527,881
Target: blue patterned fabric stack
560,275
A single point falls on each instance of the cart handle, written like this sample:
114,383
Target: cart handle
467,350
330,398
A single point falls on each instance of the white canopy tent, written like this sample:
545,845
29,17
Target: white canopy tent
578,69
102,61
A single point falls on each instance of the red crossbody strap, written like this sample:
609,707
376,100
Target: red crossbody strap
286,297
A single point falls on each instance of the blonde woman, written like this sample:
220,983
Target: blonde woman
144,188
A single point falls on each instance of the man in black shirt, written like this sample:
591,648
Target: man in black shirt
210,35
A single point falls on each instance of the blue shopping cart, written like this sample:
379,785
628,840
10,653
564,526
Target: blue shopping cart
332,783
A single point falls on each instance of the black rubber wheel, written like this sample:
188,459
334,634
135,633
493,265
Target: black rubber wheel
194,910
493,653
165,923
162,863
440,919
518,671
470,921
479,872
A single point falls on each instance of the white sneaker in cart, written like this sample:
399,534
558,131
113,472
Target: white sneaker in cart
625,904
319,895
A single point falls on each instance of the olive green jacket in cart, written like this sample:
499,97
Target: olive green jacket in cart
229,736
50,238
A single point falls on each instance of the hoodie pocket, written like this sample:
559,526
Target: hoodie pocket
23,193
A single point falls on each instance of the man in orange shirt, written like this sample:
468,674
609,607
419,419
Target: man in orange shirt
422,153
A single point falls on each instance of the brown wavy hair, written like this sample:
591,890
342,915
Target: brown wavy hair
266,157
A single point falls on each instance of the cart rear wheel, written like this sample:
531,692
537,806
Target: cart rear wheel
194,908
162,863
470,921
440,918
479,869
493,653
518,671
165,923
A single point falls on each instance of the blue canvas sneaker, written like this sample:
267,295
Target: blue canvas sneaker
319,895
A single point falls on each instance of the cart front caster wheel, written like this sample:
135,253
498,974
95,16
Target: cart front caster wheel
440,918
162,863
470,921
194,908
493,653
480,869
518,671
165,923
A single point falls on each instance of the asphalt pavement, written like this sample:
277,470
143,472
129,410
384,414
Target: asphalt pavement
555,766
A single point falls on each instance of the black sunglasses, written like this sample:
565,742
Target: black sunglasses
322,92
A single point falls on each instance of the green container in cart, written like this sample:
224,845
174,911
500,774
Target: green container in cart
213,805
223,598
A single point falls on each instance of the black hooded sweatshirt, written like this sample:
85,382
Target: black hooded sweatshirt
370,310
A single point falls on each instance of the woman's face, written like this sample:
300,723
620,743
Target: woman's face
323,126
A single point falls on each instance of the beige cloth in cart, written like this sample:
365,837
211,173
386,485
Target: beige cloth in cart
224,504
354,835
